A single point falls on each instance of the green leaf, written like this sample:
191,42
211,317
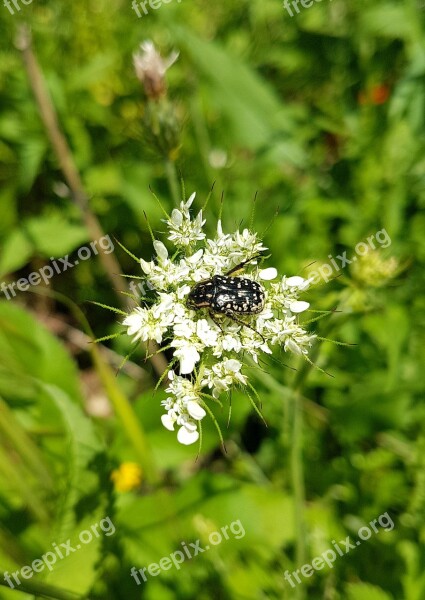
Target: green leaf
83,446
365,591
53,235
253,110
32,154
16,252
27,348
389,20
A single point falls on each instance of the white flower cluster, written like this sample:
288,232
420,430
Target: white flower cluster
210,349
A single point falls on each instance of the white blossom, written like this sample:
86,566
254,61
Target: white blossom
209,350
151,67
183,231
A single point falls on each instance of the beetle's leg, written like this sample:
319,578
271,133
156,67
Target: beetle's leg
216,321
241,265
231,316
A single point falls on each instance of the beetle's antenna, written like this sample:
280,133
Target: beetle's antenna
239,266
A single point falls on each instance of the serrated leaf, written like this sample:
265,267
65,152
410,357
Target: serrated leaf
53,235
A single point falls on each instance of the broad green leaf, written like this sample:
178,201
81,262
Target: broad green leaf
17,249
53,235
255,114
390,20
83,446
26,347
366,591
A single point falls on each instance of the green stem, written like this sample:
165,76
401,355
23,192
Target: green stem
42,590
173,183
297,476
128,418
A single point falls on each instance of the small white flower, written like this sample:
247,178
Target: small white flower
295,282
299,306
206,333
195,258
188,356
168,422
147,267
292,346
135,321
187,436
143,324
151,67
149,60
184,231
161,250
195,410
268,274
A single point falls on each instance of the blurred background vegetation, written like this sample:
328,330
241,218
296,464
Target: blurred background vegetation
323,115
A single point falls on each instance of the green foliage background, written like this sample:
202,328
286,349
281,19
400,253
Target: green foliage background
323,115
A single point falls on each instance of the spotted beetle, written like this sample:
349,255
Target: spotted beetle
228,296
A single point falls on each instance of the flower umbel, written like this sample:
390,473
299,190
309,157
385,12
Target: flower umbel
209,343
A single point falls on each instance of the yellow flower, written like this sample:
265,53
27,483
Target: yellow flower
127,477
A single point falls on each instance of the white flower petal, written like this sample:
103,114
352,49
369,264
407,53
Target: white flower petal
176,217
186,437
232,365
161,250
292,346
146,266
188,356
195,257
195,410
168,422
295,281
298,306
191,199
268,274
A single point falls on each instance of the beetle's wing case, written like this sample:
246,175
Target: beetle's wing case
237,294
202,294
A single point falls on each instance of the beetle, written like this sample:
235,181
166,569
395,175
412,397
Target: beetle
228,296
